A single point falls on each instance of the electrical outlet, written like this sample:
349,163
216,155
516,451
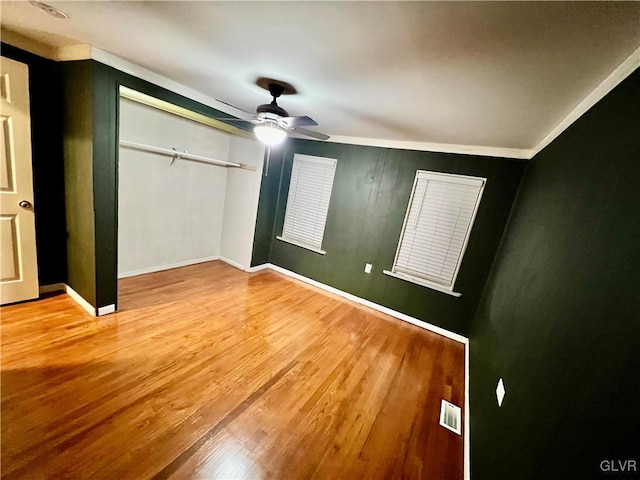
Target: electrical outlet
367,268
500,392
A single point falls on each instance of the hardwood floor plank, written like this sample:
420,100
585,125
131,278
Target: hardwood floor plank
178,462
210,372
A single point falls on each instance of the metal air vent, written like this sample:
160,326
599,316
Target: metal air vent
451,417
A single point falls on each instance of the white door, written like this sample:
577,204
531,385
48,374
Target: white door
18,264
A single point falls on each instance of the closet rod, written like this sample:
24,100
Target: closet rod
186,156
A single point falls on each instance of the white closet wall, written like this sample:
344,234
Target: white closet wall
173,215
241,202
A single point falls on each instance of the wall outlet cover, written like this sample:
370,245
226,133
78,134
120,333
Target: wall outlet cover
500,392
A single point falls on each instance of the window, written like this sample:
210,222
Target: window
436,229
308,201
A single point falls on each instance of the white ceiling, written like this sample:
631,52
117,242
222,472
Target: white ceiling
494,74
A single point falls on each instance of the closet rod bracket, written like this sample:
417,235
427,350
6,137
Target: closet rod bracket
178,155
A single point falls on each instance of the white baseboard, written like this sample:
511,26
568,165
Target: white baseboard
80,301
106,309
159,268
231,262
257,268
63,287
393,313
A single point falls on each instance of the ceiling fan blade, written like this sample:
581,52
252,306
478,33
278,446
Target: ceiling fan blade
302,121
248,115
310,133
233,119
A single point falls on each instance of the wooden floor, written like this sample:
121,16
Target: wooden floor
209,372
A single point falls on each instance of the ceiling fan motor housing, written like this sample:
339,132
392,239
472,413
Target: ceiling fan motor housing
275,89
272,108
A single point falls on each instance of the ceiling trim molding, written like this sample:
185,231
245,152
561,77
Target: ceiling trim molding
73,52
58,54
516,153
137,71
27,44
607,85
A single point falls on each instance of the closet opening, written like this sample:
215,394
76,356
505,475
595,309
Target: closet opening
188,189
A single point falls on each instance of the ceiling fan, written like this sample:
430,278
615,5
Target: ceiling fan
272,122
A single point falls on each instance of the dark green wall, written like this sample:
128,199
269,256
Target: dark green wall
368,203
560,317
78,171
105,182
45,91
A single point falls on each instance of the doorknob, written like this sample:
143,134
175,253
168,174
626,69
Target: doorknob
25,204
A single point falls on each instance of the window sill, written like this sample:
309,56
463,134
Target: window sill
302,245
422,283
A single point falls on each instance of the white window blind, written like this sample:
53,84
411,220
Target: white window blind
436,229
308,201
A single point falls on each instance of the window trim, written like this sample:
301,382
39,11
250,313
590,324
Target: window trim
302,245
422,281
319,160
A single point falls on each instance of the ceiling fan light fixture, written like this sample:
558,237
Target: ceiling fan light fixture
270,134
